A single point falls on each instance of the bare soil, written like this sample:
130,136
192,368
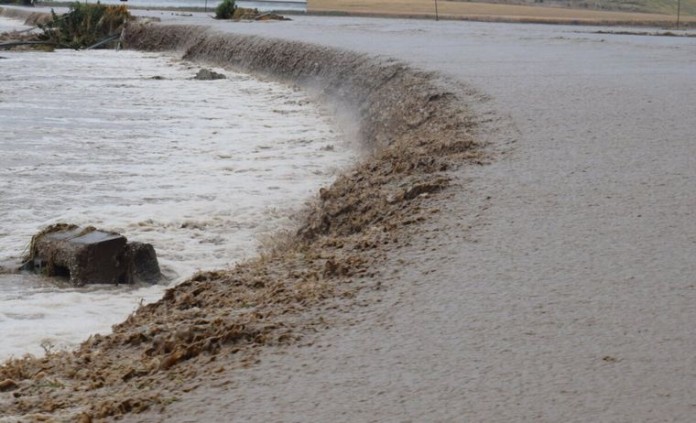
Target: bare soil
488,12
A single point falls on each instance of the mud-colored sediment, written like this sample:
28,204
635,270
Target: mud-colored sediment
415,132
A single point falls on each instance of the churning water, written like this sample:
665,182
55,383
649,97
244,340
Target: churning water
127,141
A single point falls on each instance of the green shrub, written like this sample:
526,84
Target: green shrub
225,10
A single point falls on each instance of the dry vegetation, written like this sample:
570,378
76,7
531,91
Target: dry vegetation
667,7
417,132
495,12
83,26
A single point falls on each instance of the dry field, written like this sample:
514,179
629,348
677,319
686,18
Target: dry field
486,12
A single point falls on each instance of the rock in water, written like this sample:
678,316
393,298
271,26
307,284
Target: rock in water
88,255
144,262
208,75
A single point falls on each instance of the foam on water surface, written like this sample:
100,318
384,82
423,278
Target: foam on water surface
8,25
127,141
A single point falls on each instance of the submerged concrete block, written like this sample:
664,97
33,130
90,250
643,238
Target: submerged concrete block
144,262
88,255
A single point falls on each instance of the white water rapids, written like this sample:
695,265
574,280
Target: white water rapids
126,141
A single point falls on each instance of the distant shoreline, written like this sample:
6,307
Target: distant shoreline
489,12
453,11
211,6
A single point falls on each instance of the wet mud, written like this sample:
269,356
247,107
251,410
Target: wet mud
415,131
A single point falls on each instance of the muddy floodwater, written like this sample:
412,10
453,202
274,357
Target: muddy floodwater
127,141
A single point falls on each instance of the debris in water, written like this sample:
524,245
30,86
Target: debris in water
208,75
86,25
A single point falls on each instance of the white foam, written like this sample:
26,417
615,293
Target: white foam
7,25
198,168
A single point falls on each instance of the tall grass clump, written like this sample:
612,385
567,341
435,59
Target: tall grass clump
85,24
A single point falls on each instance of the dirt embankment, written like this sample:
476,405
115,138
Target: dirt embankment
415,131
